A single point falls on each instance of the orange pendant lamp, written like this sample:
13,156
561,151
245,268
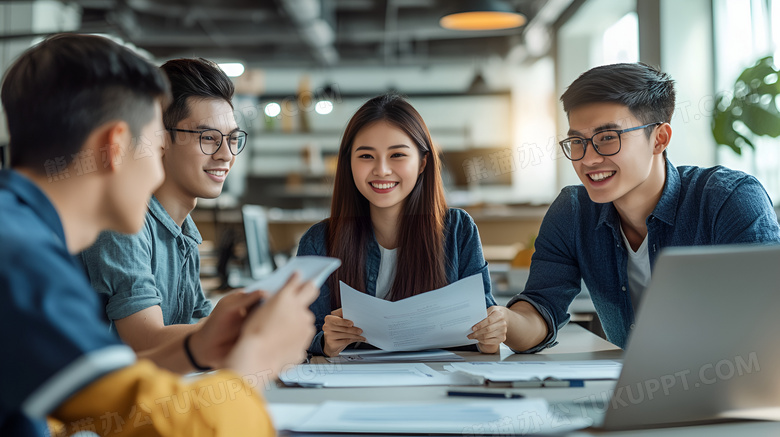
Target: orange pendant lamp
481,15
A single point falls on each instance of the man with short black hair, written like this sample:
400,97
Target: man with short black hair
152,279
101,108
632,203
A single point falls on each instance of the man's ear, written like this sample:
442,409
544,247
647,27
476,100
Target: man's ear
115,144
662,138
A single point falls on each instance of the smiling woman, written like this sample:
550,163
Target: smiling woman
387,142
389,215
385,166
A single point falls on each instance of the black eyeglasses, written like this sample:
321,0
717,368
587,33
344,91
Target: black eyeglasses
211,140
605,143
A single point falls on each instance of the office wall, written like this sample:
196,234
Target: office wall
534,131
507,130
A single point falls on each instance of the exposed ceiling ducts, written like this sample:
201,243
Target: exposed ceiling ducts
313,33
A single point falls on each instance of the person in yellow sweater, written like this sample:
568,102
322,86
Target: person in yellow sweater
85,122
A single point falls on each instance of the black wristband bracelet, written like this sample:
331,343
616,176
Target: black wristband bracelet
187,351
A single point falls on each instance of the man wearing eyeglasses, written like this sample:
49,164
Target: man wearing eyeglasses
633,202
151,280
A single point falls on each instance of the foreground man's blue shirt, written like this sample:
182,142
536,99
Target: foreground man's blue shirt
580,240
54,341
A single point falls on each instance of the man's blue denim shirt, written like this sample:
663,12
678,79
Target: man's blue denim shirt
581,239
462,247
159,265
54,338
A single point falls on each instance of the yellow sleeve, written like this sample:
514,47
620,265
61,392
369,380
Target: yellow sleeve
142,399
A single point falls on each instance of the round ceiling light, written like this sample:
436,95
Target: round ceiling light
482,15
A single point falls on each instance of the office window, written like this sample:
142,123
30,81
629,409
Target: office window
745,31
620,42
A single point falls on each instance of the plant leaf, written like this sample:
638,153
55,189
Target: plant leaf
722,128
762,68
760,120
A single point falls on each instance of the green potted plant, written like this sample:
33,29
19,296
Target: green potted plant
751,109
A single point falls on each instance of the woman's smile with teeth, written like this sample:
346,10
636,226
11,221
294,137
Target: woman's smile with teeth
598,177
216,172
383,186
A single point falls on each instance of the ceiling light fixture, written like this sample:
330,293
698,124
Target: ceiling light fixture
481,15
232,69
324,107
273,109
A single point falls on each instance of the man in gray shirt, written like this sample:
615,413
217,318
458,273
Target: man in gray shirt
151,279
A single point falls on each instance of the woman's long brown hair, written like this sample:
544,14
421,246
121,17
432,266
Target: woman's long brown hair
420,260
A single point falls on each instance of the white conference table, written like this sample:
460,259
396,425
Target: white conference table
575,343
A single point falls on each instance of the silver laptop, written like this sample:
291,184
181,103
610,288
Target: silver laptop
705,346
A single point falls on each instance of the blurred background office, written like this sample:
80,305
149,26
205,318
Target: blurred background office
488,89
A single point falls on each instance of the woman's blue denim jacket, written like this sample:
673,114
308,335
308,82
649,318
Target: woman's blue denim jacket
464,258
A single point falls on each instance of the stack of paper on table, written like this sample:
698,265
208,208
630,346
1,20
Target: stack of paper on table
435,319
488,417
371,375
508,371
380,356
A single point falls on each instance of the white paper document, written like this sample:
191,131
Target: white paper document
380,356
370,375
488,417
435,319
508,371
311,268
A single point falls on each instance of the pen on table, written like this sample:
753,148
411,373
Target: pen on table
485,394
